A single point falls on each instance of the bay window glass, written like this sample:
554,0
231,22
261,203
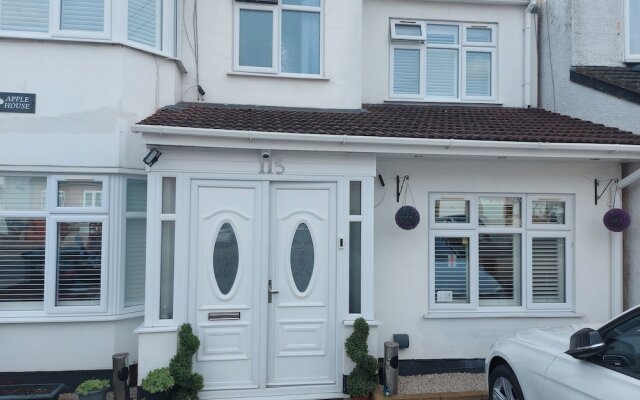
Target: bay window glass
82,15
355,247
279,38
144,22
24,15
80,193
167,247
456,62
135,242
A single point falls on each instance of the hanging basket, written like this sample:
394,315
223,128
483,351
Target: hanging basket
616,220
407,217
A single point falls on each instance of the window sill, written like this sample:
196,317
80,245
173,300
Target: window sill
371,322
36,319
155,329
442,102
279,76
514,314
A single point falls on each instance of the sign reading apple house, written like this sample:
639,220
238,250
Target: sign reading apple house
17,102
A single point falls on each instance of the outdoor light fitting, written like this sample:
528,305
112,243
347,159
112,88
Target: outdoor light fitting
152,157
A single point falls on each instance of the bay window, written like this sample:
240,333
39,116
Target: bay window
284,37
490,252
443,61
632,30
55,243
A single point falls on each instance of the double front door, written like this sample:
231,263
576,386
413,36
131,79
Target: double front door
265,285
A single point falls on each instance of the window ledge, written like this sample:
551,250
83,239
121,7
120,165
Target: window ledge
155,329
371,322
514,314
36,319
442,102
279,76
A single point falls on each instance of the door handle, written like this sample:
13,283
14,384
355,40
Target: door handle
271,292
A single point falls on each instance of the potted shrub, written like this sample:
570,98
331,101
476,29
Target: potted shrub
93,389
187,383
157,384
361,381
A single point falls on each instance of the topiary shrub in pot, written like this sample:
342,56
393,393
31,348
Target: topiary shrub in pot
361,381
157,384
93,389
187,383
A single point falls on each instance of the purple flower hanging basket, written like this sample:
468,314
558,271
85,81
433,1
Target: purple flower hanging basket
616,220
407,217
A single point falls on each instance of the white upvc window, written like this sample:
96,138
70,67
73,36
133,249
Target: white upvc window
283,38
149,25
451,62
632,30
500,252
134,245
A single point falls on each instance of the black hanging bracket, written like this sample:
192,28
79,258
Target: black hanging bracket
596,183
400,186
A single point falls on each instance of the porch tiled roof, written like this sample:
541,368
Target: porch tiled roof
398,120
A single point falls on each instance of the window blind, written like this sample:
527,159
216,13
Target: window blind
22,242
479,35
478,74
442,72
406,71
548,270
499,272
442,34
143,22
451,270
82,15
79,263
24,15
135,256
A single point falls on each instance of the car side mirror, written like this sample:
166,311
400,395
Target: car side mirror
586,343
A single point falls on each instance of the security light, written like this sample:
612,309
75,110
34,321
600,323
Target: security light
151,157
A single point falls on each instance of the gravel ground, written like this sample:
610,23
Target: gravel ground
73,396
438,383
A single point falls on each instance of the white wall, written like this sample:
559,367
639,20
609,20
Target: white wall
342,61
66,346
87,96
401,270
510,20
598,32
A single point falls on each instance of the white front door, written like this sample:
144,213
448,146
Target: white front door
265,263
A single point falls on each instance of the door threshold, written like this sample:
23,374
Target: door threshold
205,395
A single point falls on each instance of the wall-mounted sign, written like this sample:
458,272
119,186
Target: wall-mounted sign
18,102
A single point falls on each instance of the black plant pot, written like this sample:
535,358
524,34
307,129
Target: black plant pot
143,394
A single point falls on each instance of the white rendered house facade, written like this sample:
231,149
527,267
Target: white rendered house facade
268,226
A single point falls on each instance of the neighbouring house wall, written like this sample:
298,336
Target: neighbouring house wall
401,257
597,31
87,96
375,53
66,346
340,88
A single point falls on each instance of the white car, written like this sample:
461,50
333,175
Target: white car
568,363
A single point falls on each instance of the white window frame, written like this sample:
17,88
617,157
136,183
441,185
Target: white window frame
527,232
276,9
421,24
56,179
629,57
55,23
463,46
126,215
51,265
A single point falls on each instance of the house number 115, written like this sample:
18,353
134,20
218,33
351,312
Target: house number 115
271,166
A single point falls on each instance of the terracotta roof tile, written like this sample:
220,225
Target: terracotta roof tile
391,120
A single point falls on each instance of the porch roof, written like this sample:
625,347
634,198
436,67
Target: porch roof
464,123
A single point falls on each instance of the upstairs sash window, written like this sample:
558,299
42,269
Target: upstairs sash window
443,61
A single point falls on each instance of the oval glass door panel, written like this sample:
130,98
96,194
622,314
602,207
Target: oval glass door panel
225,258
302,257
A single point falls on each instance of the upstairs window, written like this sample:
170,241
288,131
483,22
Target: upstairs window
441,61
632,13
144,22
280,37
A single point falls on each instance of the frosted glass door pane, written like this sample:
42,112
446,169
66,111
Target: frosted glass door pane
82,15
168,195
24,15
355,267
442,72
302,257
225,258
256,38
478,74
300,42
406,71
634,26
167,254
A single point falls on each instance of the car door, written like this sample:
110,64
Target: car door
615,374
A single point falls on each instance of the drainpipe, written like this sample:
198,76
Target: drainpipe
531,9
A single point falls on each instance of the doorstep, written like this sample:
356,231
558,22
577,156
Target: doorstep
379,395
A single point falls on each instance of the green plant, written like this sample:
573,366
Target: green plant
187,383
361,380
92,385
158,380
